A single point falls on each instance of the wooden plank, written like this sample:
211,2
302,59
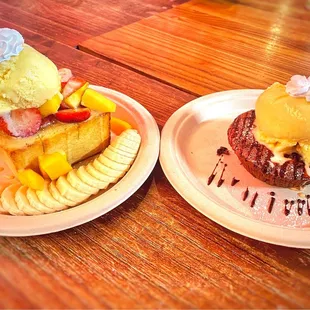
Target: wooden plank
161,100
73,21
207,46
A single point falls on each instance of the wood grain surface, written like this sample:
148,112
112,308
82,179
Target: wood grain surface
155,250
207,46
72,21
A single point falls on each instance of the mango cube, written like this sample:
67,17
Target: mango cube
51,106
74,100
54,165
118,125
31,179
95,101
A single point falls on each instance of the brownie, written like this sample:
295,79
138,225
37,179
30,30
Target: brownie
256,158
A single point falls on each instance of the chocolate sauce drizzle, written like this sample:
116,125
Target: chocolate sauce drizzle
308,206
221,180
234,181
245,194
213,174
222,150
270,204
253,200
300,206
288,206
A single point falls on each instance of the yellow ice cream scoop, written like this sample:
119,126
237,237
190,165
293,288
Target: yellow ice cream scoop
283,123
281,116
27,80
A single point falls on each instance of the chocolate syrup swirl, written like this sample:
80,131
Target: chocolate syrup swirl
271,201
234,181
286,209
253,200
308,206
221,180
222,150
213,174
300,205
245,194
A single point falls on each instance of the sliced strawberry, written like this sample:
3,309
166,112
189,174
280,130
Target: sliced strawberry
21,122
72,85
65,76
73,115
48,120
63,106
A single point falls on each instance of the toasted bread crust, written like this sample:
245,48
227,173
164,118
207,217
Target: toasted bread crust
77,140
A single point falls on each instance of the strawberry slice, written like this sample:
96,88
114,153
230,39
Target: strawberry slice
72,85
21,122
73,115
65,76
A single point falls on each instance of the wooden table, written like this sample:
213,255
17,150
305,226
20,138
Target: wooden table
155,250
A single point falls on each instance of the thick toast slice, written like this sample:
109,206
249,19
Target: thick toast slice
77,140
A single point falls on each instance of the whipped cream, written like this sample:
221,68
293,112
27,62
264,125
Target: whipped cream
11,43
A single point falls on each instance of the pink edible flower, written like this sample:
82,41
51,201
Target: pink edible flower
299,86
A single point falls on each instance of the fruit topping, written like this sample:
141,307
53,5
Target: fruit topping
31,179
54,165
118,125
98,102
65,76
48,120
74,100
72,86
73,115
51,106
21,122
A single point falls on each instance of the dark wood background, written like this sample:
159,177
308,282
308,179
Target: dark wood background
155,250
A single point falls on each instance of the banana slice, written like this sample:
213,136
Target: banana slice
87,178
69,192
55,193
121,144
121,152
2,210
98,175
112,164
106,170
131,135
79,185
23,203
47,199
36,203
8,200
124,141
115,156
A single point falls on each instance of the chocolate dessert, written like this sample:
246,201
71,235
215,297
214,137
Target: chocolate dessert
256,157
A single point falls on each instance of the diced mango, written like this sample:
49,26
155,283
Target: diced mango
51,106
118,125
74,100
31,179
95,101
54,165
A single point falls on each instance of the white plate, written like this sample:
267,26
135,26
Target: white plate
189,143
131,111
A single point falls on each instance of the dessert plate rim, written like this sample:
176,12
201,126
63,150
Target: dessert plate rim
279,235
21,226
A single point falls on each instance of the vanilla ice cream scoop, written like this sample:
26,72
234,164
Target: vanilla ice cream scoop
27,78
